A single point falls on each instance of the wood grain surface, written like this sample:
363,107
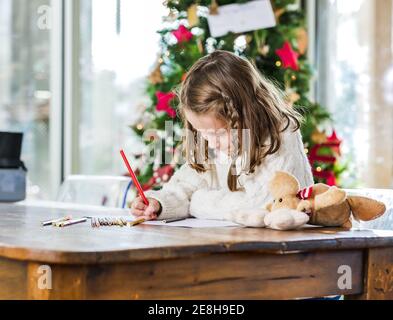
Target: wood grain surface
23,238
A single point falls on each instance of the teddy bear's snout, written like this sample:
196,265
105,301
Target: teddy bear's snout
285,202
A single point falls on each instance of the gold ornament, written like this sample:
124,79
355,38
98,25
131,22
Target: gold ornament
302,40
318,137
248,38
193,19
278,13
278,63
213,8
200,45
293,97
264,50
156,76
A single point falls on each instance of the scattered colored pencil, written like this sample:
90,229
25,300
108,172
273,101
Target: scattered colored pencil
70,222
53,221
135,222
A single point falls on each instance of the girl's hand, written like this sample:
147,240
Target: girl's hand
141,210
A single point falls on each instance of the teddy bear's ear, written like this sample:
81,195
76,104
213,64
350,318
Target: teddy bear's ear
282,184
366,209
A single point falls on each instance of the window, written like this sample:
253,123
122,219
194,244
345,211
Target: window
119,44
25,75
355,81
72,78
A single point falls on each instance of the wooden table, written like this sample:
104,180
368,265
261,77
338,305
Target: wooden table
158,262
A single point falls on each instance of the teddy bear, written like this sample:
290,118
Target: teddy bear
320,205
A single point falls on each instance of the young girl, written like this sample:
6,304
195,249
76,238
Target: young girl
223,100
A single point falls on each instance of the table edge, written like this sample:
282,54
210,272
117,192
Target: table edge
174,252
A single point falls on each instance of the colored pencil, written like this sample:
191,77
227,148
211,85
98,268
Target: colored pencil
51,222
136,222
134,178
70,222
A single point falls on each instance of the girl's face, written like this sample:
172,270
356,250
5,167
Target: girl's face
215,131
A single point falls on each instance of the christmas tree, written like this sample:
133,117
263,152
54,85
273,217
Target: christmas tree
278,51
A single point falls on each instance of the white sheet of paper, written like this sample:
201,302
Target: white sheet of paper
196,223
244,17
186,223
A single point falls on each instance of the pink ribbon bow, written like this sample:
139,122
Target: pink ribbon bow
305,193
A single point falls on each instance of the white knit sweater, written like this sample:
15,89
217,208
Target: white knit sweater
206,195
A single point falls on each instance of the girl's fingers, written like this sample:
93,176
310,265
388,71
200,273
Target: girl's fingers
142,214
150,210
140,206
149,217
141,210
137,212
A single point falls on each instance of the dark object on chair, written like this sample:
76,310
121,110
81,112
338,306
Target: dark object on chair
12,168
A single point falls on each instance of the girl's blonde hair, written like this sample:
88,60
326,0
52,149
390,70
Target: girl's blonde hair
232,89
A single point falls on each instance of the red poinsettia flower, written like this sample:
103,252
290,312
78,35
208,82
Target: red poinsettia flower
163,104
288,56
182,34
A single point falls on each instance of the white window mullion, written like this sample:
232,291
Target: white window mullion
72,87
311,8
56,108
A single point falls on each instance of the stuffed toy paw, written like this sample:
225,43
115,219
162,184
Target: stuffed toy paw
254,218
286,219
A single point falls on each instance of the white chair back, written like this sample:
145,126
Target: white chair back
108,191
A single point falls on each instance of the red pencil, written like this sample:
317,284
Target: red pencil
134,179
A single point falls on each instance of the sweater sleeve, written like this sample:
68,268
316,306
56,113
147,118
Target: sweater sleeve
176,193
222,204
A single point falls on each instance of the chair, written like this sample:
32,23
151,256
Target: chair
384,195
107,191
